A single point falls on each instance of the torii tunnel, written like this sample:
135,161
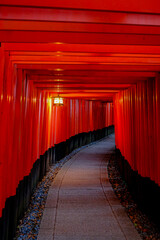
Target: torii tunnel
103,59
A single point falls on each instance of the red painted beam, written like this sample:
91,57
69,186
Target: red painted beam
82,54
78,48
74,15
81,86
87,76
88,60
78,27
145,6
59,68
115,80
78,91
79,38
94,95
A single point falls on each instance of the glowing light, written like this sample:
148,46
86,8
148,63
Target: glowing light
57,43
49,101
58,101
34,100
58,69
58,54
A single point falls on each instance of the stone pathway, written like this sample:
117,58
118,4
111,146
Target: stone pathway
81,204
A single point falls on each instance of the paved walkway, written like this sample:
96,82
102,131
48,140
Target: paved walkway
81,204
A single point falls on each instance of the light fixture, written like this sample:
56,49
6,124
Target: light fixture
58,101
57,43
58,69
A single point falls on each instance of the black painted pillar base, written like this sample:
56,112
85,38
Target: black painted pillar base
15,206
145,192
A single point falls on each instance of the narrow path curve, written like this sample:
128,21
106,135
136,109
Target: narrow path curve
81,204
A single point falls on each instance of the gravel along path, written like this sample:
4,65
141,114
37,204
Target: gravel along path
28,226
142,223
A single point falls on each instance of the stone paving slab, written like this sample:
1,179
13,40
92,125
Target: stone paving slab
81,204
